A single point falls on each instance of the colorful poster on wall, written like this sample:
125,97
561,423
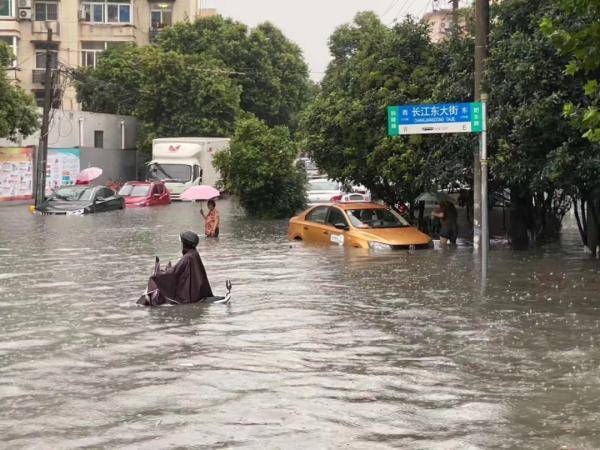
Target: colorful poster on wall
62,167
16,174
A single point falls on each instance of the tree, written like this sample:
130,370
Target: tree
259,168
528,135
576,34
172,94
18,112
113,86
345,129
269,68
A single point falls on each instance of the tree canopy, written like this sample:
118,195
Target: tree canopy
269,68
199,77
345,127
171,93
17,108
259,168
576,33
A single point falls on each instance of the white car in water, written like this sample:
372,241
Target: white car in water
322,190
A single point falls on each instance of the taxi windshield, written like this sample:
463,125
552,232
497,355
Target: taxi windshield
376,218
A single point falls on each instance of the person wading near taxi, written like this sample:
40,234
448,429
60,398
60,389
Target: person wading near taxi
211,220
449,219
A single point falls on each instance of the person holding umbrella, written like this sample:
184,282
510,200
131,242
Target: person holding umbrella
211,220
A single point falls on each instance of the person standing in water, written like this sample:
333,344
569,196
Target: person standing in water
449,218
211,220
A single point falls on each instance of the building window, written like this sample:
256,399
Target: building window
99,139
46,11
91,51
107,12
39,98
40,59
6,9
161,15
11,41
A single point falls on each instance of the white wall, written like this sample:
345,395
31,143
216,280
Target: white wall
64,131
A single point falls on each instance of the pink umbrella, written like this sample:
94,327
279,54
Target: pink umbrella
200,193
89,174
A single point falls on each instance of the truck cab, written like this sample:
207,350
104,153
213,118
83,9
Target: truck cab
184,162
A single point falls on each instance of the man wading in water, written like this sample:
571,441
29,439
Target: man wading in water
449,218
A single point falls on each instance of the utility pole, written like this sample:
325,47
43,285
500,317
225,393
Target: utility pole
482,18
42,150
455,12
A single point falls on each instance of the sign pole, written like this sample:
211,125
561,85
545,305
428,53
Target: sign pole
485,231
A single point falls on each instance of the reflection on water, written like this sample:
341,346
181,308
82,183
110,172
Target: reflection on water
322,347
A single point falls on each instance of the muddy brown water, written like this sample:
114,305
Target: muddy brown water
323,347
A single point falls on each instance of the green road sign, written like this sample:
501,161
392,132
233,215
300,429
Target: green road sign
435,118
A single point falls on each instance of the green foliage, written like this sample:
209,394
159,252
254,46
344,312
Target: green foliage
17,108
267,66
345,129
576,33
533,149
259,168
172,94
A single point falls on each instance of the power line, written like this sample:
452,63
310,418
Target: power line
391,6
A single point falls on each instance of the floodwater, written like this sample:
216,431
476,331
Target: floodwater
322,347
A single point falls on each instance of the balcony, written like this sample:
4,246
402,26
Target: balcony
37,76
40,28
154,32
10,26
107,32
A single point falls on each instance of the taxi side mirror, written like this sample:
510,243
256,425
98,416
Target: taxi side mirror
341,226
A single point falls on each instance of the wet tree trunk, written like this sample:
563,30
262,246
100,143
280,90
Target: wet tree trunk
593,223
581,219
520,220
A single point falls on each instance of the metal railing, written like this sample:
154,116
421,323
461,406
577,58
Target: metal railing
37,75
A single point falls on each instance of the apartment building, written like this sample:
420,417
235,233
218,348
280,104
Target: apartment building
82,30
440,22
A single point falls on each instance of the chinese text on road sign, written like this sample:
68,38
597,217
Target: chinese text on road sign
440,118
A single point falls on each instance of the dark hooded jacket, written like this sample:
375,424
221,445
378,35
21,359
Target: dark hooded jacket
186,282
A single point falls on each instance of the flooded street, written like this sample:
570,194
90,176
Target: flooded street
322,347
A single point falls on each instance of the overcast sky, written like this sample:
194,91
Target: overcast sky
309,23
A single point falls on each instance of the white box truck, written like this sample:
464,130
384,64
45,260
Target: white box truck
185,162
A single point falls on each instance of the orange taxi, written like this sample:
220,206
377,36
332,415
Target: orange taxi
360,225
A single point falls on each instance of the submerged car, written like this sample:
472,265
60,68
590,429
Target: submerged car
74,200
360,225
145,193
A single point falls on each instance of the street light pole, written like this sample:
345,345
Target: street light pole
42,150
482,13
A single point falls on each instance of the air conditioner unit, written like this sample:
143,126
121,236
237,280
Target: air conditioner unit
25,4
24,14
82,14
